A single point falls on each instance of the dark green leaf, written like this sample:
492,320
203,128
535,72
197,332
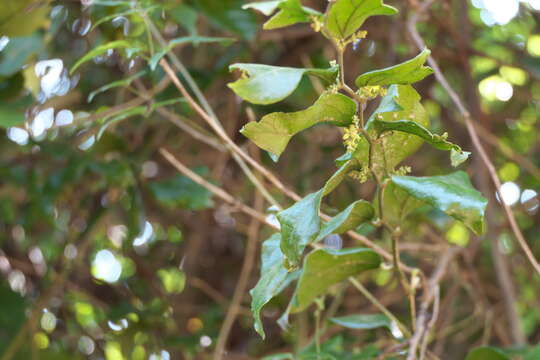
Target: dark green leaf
405,73
265,84
363,322
19,50
486,353
300,224
347,16
401,102
274,278
228,15
290,12
457,157
275,130
180,191
326,267
186,16
453,194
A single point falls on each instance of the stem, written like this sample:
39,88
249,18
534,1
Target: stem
318,331
380,306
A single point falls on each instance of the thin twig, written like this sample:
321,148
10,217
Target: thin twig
241,287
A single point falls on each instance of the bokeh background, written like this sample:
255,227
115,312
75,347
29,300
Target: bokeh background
106,252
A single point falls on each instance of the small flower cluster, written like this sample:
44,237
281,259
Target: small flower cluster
351,136
371,92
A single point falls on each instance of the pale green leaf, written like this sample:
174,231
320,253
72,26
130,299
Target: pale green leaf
326,267
363,322
274,278
265,84
349,219
347,16
100,50
458,157
486,353
405,73
452,194
124,82
275,130
290,12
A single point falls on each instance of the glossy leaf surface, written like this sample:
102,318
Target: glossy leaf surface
275,130
265,84
452,194
326,267
347,16
405,73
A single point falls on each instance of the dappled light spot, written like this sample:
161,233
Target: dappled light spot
18,135
205,341
510,193
4,41
86,345
48,321
530,201
145,236
106,267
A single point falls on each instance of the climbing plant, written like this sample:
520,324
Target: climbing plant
375,145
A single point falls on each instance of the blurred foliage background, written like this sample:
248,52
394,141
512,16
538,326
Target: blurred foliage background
106,252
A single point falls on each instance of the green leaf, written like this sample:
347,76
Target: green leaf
228,15
452,194
274,278
300,223
275,130
265,84
119,83
345,17
186,16
283,356
326,267
486,353
457,155
99,50
172,279
180,191
19,50
363,322
195,40
290,12
398,204
22,17
405,73
349,219
401,102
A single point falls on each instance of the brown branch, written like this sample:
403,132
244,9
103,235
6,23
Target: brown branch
241,287
430,292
